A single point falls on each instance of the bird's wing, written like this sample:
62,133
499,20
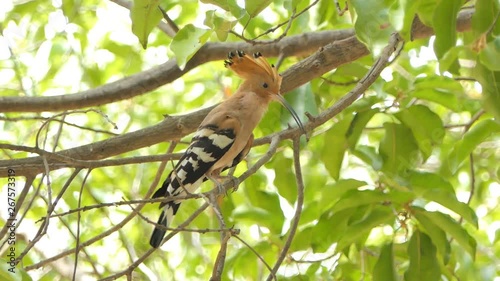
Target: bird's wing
209,144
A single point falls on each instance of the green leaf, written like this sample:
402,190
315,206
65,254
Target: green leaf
423,262
437,235
490,55
369,155
426,126
490,82
285,178
302,100
449,60
335,146
358,124
228,5
398,149
362,227
269,201
243,262
401,16
329,229
425,11
470,140
439,89
332,193
224,4
259,216
372,23
444,23
265,210
303,239
384,269
220,25
434,188
187,42
290,5
452,228
254,7
355,198
312,269
485,12
145,15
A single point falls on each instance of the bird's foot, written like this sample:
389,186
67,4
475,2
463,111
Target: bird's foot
220,183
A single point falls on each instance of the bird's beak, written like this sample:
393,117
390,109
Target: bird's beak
283,102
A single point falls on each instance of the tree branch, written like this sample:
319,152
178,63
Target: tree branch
167,72
148,80
175,127
298,208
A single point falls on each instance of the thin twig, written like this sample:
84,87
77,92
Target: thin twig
37,118
288,22
257,254
109,231
473,120
78,220
471,161
298,208
20,201
49,185
43,228
285,32
314,261
120,203
460,78
201,231
77,163
253,169
169,21
66,113
493,24
221,257
136,263
341,11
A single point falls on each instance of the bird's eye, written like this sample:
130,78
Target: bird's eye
265,85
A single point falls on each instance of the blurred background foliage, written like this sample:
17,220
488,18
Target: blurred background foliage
401,185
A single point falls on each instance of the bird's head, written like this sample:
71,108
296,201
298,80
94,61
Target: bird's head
259,77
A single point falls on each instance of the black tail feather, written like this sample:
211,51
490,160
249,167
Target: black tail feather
158,233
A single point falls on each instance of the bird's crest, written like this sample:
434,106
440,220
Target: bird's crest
248,67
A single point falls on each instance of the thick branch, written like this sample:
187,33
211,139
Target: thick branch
167,72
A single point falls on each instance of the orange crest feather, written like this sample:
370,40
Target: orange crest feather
248,67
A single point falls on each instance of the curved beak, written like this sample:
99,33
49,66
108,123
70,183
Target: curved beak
283,102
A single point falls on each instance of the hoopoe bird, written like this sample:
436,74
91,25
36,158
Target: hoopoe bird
225,136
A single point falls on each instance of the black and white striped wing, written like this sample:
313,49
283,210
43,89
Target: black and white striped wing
208,145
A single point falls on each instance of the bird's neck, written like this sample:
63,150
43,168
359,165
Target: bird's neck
250,105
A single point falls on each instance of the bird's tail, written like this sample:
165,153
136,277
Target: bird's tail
165,218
